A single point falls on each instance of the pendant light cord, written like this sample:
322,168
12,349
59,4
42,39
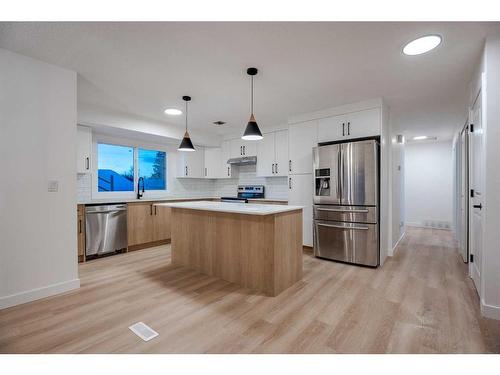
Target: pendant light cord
252,95
186,116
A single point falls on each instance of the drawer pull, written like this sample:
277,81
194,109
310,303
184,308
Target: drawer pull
342,226
356,211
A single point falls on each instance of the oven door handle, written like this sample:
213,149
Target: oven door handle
342,226
356,211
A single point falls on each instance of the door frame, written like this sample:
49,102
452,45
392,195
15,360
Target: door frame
479,93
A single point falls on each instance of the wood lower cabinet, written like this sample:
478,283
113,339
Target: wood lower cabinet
80,230
147,225
161,223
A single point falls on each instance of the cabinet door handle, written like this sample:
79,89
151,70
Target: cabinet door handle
205,171
80,226
480,206
276,168
348,128
289,165
241,150
228,171
155,210
343,129
244,151
151,209
87,163
186,170
290,183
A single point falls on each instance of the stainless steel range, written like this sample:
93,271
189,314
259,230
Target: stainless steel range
246,192
346,202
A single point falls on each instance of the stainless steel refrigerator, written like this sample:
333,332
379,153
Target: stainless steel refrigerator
346,202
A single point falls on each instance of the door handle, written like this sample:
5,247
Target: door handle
290,183
205,171
228,171
244,151
155,210
348,128
343,129
87,163
290,165
80,226
241,150
276,168
151,209
342,226
186,170
480,206
362,211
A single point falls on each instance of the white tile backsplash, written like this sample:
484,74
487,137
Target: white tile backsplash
275,187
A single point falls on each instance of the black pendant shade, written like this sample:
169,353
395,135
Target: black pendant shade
186,144
252,131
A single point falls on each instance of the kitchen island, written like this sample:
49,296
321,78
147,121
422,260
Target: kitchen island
258,246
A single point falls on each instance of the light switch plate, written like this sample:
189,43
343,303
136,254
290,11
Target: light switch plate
53,186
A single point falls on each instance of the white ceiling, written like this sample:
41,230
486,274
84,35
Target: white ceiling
143,68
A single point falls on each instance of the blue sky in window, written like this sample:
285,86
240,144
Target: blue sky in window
116,158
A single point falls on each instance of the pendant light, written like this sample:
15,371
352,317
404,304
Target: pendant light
186,144
252,131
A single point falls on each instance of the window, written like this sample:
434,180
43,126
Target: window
119,167
115,168
152,167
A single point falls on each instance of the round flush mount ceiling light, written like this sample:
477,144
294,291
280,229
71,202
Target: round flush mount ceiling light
173,112
422,45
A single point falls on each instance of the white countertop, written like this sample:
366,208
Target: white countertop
236,208
170,199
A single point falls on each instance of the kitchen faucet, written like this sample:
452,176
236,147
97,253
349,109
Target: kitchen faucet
139,194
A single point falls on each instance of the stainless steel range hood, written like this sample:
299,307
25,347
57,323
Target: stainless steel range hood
245,160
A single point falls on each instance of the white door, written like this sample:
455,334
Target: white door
363,123
195,163
302,138
332,128
476,173
281,153
301,194
236,148
265,155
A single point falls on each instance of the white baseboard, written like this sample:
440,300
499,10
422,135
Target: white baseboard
397,243
34,294
490,311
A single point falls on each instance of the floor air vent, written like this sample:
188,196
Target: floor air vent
143,331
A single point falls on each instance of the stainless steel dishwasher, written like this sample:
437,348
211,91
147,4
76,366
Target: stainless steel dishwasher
106,229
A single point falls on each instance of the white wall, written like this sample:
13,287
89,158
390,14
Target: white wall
490,278
398,191
37,145
428,184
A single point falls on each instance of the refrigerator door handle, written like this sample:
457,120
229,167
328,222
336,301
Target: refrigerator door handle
343,226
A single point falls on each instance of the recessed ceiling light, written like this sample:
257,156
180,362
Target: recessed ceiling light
420,137
422,45
173,111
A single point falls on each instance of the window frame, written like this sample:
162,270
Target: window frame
126,195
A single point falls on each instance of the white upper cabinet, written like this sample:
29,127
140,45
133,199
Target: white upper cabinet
213,164
240,148
281,153
191,164
360,124
331,128
272,154
226,170
302,138
363,123
83,149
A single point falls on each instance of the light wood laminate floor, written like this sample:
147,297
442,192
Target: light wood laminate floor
420,301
